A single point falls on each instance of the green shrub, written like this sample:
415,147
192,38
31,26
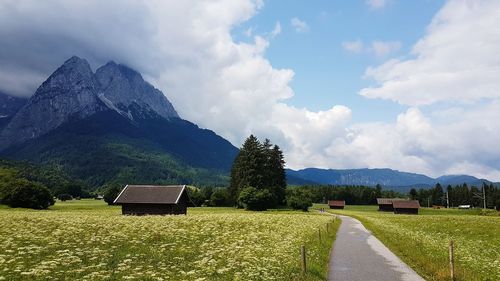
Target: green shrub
219,198
64,197
111,193
255,199
27,194
299,199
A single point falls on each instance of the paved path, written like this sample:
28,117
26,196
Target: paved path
359,256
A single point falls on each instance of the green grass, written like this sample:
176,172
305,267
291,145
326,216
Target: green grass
88,240
422,241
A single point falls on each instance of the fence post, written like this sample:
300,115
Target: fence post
303,258
452,261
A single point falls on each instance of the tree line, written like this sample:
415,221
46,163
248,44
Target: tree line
458,195
352,195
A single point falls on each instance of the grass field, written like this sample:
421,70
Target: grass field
88,240
422,241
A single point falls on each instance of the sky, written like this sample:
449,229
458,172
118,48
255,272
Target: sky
407,85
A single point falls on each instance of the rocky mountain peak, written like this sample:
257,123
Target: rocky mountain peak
73,91
111,72
70,92
126,90
74,76
75,60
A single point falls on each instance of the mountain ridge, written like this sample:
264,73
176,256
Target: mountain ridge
113,126
386,177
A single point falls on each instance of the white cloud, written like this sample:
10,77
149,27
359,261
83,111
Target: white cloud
379,48
454,67
307,134
457,60
353,46
384,48
377,4
277,30
458,141
299,25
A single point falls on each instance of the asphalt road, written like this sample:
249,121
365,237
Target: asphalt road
359,256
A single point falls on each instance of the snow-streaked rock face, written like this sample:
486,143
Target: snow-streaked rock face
73,91
125,88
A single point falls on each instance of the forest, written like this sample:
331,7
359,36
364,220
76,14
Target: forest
453,196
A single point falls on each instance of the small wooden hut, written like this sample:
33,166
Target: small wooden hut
406,207
385,204
336,204
153,200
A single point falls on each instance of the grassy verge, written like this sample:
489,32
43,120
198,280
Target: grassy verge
422,241
87,240
318,248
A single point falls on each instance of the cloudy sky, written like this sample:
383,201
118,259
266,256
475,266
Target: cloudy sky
408,85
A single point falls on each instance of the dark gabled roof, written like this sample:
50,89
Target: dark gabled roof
406,204
336,203
388,201
150,194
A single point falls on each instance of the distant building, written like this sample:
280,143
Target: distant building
336,204
385,204
153,200
464,206
406,206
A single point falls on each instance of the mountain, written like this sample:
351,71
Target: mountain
73,91
112,126
460,179
385,177
393,179
9,106
70,92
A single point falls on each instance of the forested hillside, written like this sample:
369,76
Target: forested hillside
51,177
105,148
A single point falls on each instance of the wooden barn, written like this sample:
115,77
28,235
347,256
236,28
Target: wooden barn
385,204
153,200
336,204
406,206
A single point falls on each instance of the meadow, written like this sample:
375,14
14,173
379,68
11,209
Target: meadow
88,240
422,241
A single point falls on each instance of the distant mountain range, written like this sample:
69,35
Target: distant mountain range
111,126
370,177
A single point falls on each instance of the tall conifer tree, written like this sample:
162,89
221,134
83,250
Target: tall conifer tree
259,165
